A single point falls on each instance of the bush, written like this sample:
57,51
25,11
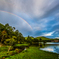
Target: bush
17,50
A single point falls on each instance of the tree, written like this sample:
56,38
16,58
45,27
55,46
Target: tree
40,39
40,42
20,38
3,36
10,42
1,27
13,28
29,40
35,40
7,32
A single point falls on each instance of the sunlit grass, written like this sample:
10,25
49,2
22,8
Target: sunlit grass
34,53
21,45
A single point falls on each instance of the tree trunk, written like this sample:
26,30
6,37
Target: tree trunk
2,39
9,48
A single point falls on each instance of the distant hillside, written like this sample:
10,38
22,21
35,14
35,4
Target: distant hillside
44,38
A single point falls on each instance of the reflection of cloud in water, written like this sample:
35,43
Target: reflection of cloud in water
53,49
47,49
52,43
50,49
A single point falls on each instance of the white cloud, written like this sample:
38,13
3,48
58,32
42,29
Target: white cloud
57,14
39,10
56,33
48,34
36,8
37,28
55,24
41,24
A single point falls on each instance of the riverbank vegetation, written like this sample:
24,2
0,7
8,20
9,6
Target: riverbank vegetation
12,42
34,53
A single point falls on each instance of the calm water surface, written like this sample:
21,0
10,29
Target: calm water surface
51,47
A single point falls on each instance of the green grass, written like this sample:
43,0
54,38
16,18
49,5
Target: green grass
4,51
21,45
3,48
34,53
43,38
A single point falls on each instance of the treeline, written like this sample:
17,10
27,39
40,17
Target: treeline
9,35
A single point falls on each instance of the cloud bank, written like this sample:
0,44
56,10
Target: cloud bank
41,15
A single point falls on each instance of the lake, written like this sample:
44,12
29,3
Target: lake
51,47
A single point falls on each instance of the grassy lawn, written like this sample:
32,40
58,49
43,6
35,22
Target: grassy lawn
22,45
34,53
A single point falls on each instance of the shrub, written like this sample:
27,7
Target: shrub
17,50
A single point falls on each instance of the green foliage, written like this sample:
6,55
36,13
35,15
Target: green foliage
42,38
7,32
3,48
34,53
29,40
4,53
13,38
10,41
18,45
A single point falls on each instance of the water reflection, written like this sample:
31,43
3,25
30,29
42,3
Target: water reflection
51,47
52,43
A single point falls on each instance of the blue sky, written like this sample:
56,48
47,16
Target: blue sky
32,17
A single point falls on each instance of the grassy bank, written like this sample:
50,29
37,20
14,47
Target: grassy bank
34,53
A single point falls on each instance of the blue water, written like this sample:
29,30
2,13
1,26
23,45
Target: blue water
51,47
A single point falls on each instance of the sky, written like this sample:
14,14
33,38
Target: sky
32,17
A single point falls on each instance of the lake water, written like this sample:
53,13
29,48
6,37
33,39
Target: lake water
51,47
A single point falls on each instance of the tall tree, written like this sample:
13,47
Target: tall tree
3,36
10,42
